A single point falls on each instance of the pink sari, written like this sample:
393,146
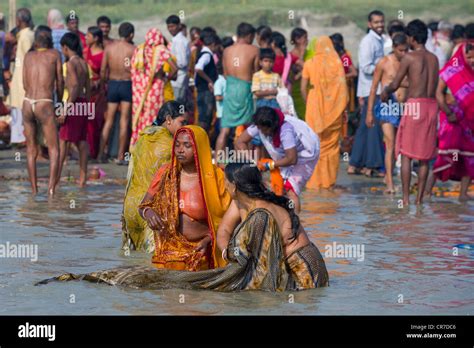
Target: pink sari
147,97
456,140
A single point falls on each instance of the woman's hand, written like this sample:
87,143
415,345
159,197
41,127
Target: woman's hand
153,219
203,245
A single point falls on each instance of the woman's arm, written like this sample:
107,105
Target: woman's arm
291,158
243,141
304,88
441,99
227,226
352,72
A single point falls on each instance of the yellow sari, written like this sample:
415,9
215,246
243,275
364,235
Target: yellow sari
327,100
168,92
172,249
152,150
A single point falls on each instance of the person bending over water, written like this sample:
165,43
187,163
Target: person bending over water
263,241
185,203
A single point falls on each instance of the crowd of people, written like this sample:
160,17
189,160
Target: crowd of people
182,103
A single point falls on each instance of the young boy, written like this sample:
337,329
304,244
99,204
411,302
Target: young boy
206,75
74,118
265,83
388,114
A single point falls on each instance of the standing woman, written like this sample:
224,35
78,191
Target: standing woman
299,39
326,103
455,97
94,55
148,80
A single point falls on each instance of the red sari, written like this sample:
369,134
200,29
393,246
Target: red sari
98,97
456,140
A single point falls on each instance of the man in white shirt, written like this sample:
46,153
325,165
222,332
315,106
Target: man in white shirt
181,50
367,152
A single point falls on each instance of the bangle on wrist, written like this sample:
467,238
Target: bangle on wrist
144,212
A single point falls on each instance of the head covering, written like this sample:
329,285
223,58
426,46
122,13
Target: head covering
329,93
458,75
166,199
310,51
144,53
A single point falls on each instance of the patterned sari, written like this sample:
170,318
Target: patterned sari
456,140
256,262
148,59
172,249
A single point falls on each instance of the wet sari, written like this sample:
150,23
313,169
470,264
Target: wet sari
148,89
456,140
172,249
152,150
256,262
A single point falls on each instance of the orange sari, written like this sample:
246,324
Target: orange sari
172,249
327,100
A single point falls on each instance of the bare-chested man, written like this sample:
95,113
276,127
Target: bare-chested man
42,72
416,138
105,25
116,64
388,114
240,62
77,112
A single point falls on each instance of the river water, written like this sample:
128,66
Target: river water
409,263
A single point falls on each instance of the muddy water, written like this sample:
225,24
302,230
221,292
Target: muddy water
408,266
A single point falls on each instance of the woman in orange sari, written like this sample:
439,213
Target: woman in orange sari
148,80
94,55
185,204
326,103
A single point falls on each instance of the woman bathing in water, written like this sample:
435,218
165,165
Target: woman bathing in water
262,240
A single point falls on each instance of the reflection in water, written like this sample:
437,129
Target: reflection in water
407,251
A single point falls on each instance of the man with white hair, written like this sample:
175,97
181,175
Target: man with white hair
443,38
57,25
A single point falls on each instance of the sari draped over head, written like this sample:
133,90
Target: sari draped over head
148,59
152,150
456,140
327,100
170,245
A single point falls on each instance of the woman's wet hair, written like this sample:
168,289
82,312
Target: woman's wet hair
96,32
266,116
73,42
399,39
296,34
172,109
279,40
247,179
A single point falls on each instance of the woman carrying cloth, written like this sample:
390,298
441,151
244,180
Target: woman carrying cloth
455,159
148,80
185,204
326,104
152,150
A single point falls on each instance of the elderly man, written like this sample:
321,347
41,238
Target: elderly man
57,25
